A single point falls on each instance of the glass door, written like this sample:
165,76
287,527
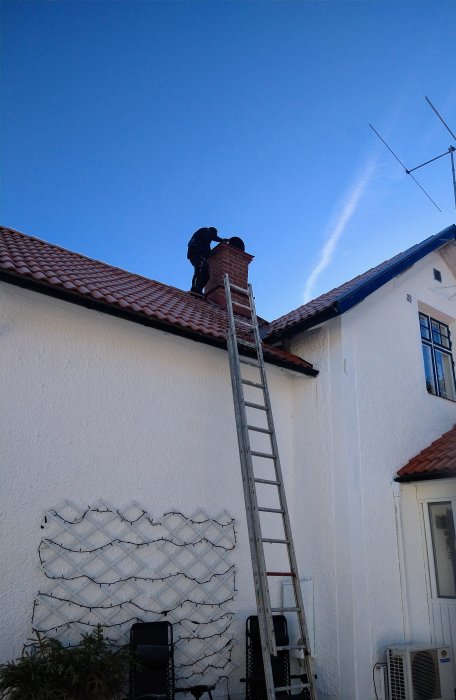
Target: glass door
441,517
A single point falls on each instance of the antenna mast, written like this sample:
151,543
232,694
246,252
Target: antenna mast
451,149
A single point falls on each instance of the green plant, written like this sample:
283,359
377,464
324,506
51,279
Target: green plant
94,670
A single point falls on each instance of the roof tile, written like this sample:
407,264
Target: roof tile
325,301
435,461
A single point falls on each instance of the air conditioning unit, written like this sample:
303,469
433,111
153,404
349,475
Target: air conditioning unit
420,673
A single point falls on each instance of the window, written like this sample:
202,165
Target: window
437,357
444,548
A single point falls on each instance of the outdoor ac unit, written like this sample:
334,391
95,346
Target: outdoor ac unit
420,673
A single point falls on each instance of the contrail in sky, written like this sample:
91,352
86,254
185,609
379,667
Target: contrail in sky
349,207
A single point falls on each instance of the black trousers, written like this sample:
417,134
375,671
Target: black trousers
201,274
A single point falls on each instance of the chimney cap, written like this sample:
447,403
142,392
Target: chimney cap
236,242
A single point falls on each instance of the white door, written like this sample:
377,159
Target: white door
438,503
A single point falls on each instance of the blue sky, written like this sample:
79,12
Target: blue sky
128,125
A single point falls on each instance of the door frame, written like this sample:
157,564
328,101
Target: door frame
442,611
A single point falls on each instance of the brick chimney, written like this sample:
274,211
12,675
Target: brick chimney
225,258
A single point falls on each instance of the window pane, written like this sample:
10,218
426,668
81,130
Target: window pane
445,336
440,333
435,332
428,369
424,327
444,548
445,381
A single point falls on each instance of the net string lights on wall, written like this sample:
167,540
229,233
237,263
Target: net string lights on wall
112,567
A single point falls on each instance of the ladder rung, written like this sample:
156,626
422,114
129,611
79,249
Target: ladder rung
239,289
271,510
292,687
241,306
259,430
267,481
289,647
246,343
257,385
278,610
252,363
279,573
261,454
274,540
255,405
243,322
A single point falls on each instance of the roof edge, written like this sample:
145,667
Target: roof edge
407,478
310,322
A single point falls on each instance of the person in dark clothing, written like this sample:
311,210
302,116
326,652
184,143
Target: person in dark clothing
199,248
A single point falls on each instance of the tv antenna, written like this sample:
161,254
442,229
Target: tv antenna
451,151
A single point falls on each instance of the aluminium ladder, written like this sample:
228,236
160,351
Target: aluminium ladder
236,342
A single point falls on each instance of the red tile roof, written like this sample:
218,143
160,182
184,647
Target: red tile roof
322,303
434,462
50,268
345,296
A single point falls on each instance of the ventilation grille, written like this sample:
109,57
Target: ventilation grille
425,676
396,676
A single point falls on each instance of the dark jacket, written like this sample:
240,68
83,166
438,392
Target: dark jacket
200,243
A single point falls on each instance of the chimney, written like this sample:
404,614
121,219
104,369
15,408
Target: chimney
231,259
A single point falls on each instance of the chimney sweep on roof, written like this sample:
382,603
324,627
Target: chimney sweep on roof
199,248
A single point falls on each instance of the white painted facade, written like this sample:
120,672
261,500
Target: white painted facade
98,407
370,413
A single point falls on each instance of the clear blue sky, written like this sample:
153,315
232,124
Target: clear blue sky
128,125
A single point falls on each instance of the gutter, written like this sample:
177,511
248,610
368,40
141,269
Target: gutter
105,307
428,476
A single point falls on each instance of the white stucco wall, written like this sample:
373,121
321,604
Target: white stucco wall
313,503
374,414
97,407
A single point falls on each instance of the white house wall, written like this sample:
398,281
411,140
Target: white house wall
378,415
313,504
98,407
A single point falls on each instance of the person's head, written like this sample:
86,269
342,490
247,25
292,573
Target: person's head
213,232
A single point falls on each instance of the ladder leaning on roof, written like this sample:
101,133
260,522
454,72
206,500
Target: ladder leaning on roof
248,338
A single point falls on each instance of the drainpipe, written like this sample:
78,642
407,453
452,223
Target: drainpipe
396,492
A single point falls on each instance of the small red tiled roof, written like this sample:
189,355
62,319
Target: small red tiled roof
49,267
434,462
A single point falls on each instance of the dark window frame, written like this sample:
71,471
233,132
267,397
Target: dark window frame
438,340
